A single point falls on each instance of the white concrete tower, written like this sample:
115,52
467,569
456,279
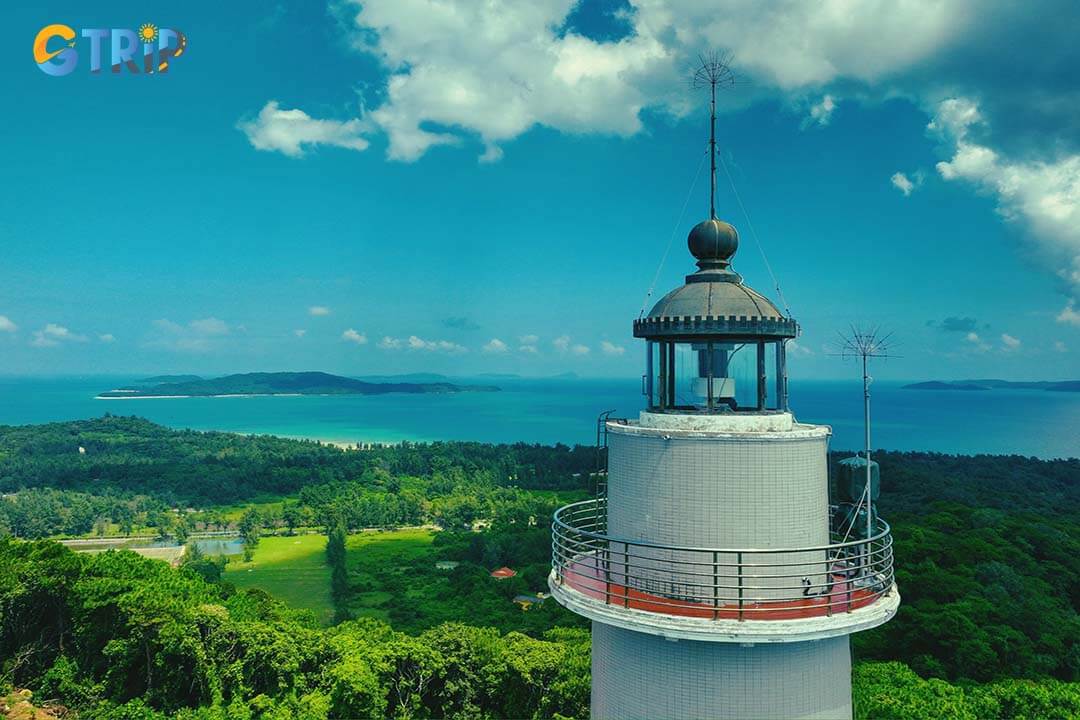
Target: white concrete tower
720,581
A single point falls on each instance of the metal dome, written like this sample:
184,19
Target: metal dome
714,302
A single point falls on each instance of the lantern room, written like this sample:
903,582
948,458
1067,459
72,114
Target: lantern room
714,345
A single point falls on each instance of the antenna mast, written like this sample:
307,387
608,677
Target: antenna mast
866,343
714,71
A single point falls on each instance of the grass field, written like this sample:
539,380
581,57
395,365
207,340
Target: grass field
380,559
292,569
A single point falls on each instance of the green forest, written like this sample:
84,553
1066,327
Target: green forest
988,566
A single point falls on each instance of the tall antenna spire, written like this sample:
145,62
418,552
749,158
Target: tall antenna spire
715,71
866,344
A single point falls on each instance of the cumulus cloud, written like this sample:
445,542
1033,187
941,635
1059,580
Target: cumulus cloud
414,343
905,184
1069,314
492,71
1009,342
300,332
495,346
353,336
561,343
1059,346
291,132
609,348
1042,196
197,336
106,338
318,311
209,326
580,349
6,325
795,349
977,342
52,335
821,112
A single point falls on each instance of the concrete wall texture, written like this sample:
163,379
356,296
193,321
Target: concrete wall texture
721,491
635,675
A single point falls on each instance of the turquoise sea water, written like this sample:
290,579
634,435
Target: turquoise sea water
1026,422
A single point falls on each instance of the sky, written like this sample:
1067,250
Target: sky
460,187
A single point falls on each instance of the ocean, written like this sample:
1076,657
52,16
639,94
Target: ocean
1025,422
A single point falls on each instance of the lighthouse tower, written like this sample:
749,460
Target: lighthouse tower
720,581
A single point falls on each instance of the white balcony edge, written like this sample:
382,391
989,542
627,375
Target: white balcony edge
724,630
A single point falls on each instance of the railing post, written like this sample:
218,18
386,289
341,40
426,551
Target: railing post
829,584
626,575
739,561
848,583
607,573
715,574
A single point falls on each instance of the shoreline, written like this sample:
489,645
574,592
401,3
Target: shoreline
230,395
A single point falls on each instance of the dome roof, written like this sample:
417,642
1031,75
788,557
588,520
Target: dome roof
714,299
714,302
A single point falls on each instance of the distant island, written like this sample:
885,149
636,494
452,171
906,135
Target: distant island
281,383
1056,386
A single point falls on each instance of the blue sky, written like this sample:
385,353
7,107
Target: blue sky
395,186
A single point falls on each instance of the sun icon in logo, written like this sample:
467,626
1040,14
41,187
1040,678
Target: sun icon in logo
148,32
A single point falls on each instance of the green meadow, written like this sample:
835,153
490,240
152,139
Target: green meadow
292,569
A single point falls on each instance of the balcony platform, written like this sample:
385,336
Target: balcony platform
720,594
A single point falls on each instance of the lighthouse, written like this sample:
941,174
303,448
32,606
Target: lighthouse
720,579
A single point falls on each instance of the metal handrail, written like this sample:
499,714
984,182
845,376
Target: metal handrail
704,582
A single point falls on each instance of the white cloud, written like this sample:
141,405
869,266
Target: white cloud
52,335
318,311
353,336
1059,346
977,342
495,346
414,343
903,183
528,344
452,348
1044,197
494,70
106,338
561,343
6,325
795,349
1069,314
300,332
821,112
197,336
611,348
580,350
291,132
209,326
1010,342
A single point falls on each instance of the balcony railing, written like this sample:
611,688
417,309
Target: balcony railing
718,583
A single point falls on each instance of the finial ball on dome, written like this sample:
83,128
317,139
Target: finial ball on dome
713,240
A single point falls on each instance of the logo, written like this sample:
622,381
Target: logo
146,51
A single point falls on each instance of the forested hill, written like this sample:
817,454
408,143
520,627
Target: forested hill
991,384
284,383
133,456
